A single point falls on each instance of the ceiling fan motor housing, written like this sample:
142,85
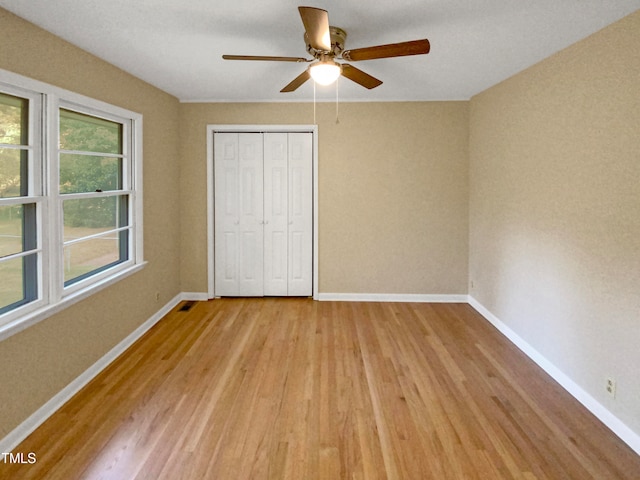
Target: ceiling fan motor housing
338,41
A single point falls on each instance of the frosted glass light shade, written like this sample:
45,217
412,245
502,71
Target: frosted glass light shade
326,72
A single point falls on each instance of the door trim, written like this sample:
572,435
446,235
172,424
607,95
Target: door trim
217,128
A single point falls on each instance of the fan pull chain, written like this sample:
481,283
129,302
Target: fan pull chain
314,103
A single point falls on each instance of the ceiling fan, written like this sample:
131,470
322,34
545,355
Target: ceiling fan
325,44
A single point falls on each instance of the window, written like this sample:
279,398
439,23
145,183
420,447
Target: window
19,251
70,198
93,198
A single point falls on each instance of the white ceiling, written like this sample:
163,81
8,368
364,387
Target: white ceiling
177,45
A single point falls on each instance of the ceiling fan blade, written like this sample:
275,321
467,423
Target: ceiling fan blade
415,47
296,82
358,76
265,58
316,25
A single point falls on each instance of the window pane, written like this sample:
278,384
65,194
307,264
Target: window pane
11,284
11,230
17,229
86,173
13,172
14,120
88,216
88,220
92,255
89,134
17,282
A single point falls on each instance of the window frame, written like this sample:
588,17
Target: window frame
35,189
126,190
45,102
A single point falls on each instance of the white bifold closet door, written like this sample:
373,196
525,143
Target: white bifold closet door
263,214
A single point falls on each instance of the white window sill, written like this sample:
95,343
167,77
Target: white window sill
30,319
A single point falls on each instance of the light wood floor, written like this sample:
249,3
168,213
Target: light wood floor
294,389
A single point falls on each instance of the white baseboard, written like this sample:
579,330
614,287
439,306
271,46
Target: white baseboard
392,297
194,296
22,431
603,414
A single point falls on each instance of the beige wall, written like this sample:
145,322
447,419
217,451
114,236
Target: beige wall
555,210
40,361
393,202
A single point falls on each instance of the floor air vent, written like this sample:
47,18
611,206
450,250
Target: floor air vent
186,306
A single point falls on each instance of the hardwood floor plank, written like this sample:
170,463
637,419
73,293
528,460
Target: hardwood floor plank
295,389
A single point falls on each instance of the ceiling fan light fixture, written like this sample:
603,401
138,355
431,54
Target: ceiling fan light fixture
325,72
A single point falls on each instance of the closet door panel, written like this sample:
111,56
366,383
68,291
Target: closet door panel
251,194
275,213
300,215
226,214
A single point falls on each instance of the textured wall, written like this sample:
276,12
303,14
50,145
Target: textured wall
555,210
38,362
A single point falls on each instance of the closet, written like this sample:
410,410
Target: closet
263,225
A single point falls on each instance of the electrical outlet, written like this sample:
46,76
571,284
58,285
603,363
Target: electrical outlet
611,387
157,296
